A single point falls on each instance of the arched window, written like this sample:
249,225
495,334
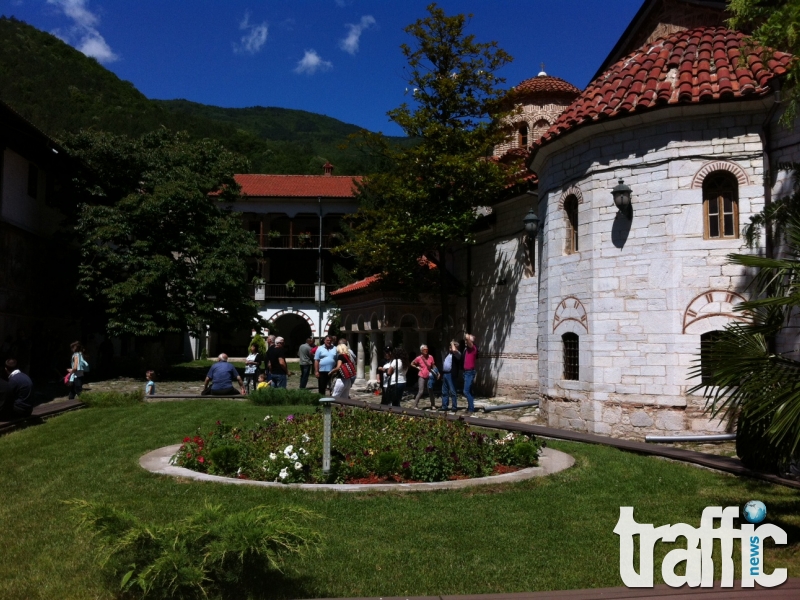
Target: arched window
706,344
721,206
523,135
571,210
571,363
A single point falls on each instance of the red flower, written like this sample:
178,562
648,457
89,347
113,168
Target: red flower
187,439
201,460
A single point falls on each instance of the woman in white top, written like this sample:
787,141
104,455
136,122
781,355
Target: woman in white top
394,379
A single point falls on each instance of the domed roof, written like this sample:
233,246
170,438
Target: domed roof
545,84
688,67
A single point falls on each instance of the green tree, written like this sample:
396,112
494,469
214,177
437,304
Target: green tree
774,24
426,203
158,253
744,374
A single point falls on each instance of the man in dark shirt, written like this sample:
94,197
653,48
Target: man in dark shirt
221,375
277,363
306,357
16,397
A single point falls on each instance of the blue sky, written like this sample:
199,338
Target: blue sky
335,57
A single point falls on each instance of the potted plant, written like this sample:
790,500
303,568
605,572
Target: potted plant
291,286
304,239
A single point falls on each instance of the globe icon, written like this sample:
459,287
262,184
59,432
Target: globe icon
755,511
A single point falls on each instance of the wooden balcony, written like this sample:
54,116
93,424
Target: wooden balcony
281,291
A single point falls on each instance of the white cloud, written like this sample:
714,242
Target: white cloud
311,63
84,34
255,37
350,43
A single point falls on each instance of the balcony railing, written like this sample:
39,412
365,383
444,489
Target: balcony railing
298,241
278,291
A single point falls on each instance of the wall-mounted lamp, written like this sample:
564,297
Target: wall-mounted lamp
622,197
531,222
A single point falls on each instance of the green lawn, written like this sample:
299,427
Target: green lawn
549,533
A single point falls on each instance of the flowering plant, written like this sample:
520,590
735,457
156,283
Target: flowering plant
365,445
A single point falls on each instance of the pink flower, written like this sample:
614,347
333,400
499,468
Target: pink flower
290,418
201,460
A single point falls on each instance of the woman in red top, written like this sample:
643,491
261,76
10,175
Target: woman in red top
425,364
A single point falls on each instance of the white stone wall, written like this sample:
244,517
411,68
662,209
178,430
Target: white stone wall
504,299
627,291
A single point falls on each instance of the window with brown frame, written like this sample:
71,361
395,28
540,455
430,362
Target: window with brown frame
721,206
571,362
523,136
571,210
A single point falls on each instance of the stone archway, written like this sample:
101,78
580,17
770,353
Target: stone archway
294,328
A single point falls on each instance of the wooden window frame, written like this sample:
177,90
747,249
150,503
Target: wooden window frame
570,344
706,340
523,136
716,186
571,216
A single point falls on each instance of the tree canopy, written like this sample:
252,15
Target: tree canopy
427,202
774,24
158,253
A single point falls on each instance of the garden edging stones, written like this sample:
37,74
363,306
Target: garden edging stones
550,461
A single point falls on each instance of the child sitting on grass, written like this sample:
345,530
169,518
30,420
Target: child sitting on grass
262,382
150,386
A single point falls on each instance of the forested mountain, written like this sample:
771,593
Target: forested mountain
61,90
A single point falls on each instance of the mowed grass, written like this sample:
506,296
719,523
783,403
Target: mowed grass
547,533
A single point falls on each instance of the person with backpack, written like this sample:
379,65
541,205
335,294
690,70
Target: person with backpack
78,367
343,372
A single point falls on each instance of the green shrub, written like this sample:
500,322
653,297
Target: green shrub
389,463
260,343
106,399
283,397
755,450
198,556
525,454
224,460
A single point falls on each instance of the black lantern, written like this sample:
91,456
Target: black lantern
622,197
531,222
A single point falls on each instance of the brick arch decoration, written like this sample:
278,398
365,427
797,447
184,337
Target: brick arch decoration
571,310
300,314
571,191
711,310
720,165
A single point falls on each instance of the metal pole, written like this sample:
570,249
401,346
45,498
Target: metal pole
676,439
511,406
326,436
319,275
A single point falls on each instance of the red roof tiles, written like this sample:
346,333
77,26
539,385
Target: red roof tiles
358,285
687,67
545,84
298,186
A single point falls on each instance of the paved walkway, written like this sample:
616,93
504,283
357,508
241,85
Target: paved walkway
788,591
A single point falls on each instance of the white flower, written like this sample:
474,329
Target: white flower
306,438
288,450
267,418
239,472
284,473
293,456
303,451
298,466
272,456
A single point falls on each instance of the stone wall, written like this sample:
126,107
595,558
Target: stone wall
639,292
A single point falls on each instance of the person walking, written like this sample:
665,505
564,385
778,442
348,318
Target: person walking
342,373
77,369
449,374
324,361
252,367
277,364
306,361
426,365
470,357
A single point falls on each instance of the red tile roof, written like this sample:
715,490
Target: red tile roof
545,84
358,285
298,186
688,67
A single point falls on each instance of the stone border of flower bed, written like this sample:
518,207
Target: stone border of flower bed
550,461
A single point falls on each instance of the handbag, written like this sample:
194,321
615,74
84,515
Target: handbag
67,378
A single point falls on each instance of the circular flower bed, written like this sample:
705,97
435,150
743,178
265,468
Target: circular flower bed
367,447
